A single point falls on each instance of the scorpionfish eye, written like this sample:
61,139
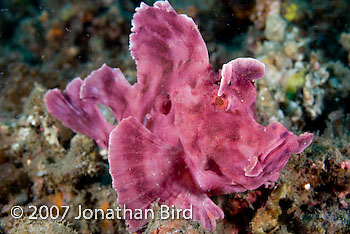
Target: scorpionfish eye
220,102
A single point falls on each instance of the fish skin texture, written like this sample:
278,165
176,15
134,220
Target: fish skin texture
185,132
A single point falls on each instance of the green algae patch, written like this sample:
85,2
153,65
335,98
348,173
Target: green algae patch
294,82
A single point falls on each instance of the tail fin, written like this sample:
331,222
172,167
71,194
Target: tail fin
109,87
77,114
144,169
76,106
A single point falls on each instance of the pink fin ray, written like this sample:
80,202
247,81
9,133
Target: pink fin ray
77,114
130,144
109,87
205,210
168,50
164,176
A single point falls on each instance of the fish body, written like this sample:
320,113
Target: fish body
184,131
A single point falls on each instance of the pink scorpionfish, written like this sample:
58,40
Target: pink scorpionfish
185,131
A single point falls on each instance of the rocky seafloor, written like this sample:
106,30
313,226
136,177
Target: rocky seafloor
304,44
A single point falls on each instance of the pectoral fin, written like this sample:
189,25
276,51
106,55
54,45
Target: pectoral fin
146,170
